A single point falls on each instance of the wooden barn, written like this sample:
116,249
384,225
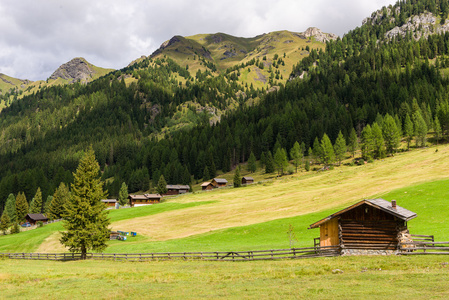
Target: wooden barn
109,202
247,180
375,224
176,189
219,182
34,218
146,199
207,186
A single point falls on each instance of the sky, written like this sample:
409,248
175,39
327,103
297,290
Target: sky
36,37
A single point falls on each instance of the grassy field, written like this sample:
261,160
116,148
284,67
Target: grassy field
258,216
378,277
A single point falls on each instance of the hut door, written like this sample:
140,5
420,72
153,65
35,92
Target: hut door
329,233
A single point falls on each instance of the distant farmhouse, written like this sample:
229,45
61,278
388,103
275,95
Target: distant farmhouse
375,224
109,202
207,186
219,182
34,218
176,189
146,199
247,180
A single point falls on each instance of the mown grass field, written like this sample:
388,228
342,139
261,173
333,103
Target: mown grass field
381,277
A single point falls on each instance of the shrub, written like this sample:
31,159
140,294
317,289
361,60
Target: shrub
40,224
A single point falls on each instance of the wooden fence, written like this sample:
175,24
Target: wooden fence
293,253
423,248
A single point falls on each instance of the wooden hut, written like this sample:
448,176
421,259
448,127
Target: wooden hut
109,202
207,186
374,224
219,182
146,199
34,218
176,189
247,180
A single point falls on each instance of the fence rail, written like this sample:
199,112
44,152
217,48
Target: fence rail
423,248
294,253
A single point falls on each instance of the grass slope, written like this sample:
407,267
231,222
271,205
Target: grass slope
258,216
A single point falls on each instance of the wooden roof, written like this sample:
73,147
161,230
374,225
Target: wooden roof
144,197
178,187
248,178
109,200
37,217
220,180
384,205
206,183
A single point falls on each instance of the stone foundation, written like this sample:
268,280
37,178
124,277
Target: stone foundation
348,252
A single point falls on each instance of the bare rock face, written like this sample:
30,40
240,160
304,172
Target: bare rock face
421,26
78,69
319,35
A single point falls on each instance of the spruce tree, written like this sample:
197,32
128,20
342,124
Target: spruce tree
21,207
269,163
340,147
296,155
367,142
61,199
379,142
408,130
47,205
10,208
161,186
237,178
123,195
252,166
280,160
327,151
85,220
437,129
353,142
4,223
36,203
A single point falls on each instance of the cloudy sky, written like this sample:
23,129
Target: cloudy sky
36,37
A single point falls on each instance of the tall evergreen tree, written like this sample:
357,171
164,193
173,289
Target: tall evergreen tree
353,142
21,207
252,166
123,194
61,198
408,130
4,222
10,208
161,186
281,160
437,129
296,155
340,147
379,142
86,221
391,133
327,151
367,142
269,163
47,205
237,178
36,203
420,129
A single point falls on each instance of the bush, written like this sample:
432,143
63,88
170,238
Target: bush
307,166
40,224
15,228
290,170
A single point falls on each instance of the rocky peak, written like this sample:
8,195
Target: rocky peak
421,26
319,35
78,69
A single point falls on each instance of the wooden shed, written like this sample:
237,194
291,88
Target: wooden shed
374,224
34,218
207,186
109,202
247,180
146,199
176,189
219,182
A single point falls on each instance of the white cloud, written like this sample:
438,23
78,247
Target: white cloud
36,37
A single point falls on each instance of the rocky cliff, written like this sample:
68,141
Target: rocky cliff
78,69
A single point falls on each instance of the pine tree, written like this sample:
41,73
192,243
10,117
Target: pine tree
408,130
269,163
61,198
4,223
161,186
206,175
437,129
21,207
36,203
123,195
391,133
10,208
317,151
237,178
252,166
296,155
340,147
367,142
420,129
379,142
86,221
47,205
353,142
280,160
327,151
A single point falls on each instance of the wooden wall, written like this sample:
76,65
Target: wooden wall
329,233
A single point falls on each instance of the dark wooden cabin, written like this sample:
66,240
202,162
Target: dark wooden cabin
207,186
34,218
219,182
146,199
109,202
176,189
374,224
247,180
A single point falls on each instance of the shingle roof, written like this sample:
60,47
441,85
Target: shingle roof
220,180
109,200
144,197
178,187
248,178
381,204
37,217
206,183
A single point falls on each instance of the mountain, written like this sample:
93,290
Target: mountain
7,83
251,58
78,69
